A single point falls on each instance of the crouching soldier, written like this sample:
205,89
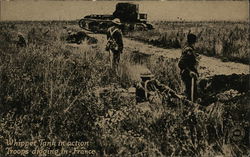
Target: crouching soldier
149,88
76,37
115,43
21,40
188,64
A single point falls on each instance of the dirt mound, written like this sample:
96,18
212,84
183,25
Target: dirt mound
79,37
223,87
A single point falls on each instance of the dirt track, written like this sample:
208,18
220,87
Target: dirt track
209,66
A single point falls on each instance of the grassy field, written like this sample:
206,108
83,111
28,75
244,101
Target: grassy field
48,91
226,40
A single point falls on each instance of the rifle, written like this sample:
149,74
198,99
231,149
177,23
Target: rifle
192,89
111,59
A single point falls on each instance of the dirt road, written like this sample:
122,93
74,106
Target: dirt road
209,66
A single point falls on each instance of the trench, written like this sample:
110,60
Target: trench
209,87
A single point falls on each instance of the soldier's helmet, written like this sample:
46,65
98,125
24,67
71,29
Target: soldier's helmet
117,21
19,34
69,32
147,75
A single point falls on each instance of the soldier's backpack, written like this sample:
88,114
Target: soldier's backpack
183,59
112,44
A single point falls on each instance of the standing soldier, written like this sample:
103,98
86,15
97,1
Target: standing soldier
115,43
188,66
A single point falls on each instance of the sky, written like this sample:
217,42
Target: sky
156,10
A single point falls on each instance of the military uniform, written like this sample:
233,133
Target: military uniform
21,41
188,69
114,45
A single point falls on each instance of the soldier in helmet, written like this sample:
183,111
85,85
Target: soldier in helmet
188,64
21,40
141,90
115,43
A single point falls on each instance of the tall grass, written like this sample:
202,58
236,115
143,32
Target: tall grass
49,91
46,88
227,40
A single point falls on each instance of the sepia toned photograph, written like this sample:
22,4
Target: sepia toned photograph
99,78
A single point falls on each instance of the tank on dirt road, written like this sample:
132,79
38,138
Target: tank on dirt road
128,13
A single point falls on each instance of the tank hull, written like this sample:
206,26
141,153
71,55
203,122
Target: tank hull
98,25
128,13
